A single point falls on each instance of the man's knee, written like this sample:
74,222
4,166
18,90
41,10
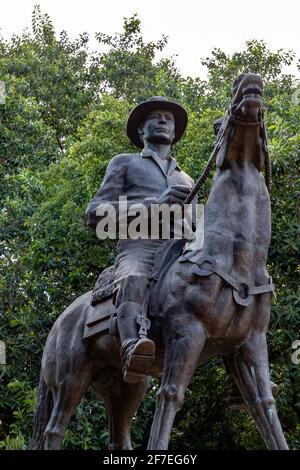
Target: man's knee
128,310
132,289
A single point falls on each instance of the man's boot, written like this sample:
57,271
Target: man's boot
137,353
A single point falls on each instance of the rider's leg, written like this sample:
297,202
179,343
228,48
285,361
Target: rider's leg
137,351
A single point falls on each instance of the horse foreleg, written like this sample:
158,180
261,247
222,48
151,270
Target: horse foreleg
184,342
250,370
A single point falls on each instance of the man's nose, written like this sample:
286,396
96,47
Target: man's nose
162,118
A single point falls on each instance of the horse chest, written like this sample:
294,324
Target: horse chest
212,302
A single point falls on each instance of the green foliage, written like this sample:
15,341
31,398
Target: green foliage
128,69
223,69
64,118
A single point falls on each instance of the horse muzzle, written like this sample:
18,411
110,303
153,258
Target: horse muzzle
247,103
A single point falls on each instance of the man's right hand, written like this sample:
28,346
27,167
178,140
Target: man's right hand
174,194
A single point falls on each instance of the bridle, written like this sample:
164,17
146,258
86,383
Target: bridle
231,122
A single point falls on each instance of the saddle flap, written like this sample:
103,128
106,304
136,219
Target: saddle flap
100,312
99,318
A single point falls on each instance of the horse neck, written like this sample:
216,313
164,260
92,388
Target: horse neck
237,224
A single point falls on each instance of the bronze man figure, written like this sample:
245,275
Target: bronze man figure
153,176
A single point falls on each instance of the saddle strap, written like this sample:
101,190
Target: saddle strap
242,293
262,289
250,290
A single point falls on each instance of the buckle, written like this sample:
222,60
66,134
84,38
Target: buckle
243,290
242,296
144,323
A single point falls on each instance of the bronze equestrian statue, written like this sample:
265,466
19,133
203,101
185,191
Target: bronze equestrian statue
210,301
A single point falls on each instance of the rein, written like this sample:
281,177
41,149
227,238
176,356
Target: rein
232,120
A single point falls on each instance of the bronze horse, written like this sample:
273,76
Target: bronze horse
213,301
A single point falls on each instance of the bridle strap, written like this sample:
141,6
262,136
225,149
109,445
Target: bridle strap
235,122
244,123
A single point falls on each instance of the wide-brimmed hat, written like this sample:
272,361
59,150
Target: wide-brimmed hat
140,112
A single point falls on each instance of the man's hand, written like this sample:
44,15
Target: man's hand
174,194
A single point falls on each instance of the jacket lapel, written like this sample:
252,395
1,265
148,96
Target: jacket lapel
173,165
150,154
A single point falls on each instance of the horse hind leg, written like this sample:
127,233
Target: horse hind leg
66,398
250,370
68,383
184,343
122,401
42,416
64,380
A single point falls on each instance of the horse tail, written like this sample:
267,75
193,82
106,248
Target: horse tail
42,415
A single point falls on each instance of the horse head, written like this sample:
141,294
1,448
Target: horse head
241,136
247,104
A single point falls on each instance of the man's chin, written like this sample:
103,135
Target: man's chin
161,140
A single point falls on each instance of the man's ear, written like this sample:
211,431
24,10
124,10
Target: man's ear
173,136
141,130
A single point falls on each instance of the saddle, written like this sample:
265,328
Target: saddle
102,317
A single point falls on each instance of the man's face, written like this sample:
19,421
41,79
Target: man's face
159,127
